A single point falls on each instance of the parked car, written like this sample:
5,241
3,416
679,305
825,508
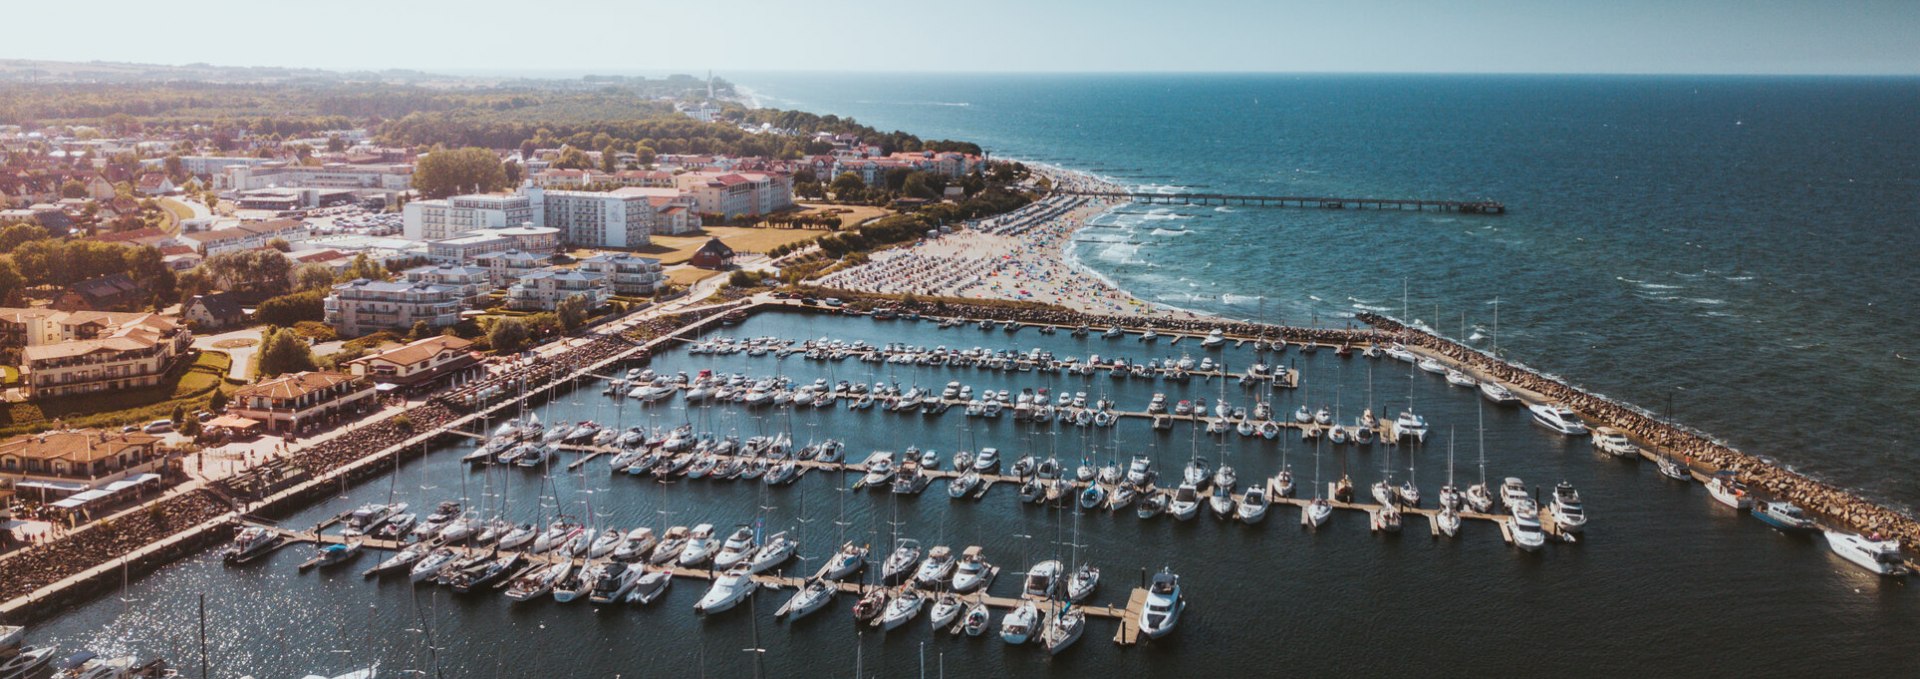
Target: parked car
159,426
833,301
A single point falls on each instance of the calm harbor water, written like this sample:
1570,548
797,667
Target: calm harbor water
1664,579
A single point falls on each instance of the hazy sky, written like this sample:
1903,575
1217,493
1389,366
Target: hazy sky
1544,36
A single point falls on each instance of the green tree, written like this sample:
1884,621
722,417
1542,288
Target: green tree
72,188
311,277
265,270
284,351
507,336
364,267
572,312
573,159
421,330
609,159
10,283
848,186
447,172
14,234
287,310
335,144
280,244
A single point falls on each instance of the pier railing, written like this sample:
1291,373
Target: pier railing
1474,207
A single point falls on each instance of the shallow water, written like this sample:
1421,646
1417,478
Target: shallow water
1665,578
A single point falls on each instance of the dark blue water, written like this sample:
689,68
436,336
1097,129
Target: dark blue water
1736,250
1664,579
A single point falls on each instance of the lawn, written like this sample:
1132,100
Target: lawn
850,215
690,275
189,387
672,250
177,212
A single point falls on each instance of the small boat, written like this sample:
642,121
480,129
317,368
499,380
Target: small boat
849,560
900,563
1221,501
1673,469
1318,511
727,591
334,555
1185,502
1253,505
1558,418
963,484
1460,379
1783,515
777,550
650,586
1432,365
402,559
1093,497
538,582
975,622
902,608
1063,629
945,610
429,566
1151,504
1613,442
1871,552
870,605
1729,491
615,582
1019,624
1449,521
1082,582
810,597
251,542
578,583
1163,605
1497,394
735,550
27,662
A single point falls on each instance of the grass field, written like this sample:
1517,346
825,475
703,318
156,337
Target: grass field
177,212
190,387
672,250
850,215
690,275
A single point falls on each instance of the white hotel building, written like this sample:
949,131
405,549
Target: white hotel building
442,219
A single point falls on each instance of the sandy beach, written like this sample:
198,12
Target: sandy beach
1019,256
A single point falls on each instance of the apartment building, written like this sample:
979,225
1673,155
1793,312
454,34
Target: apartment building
627,274
542,290
734,194
362,306
447,218
472,245
622,218
417,362
503,268
68,353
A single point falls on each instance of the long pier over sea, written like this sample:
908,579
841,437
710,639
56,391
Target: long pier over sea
1475,207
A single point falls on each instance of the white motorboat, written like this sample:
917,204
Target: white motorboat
638,543
1513,491
1042,579
1253,505
608,540
1163,605
699,546
1410,426
616,581
1525,525
1214,339
936,568
1019,624
1729,491
734,551
428,567
988,461
27,662
963,484
973,571
650,586
1568,513
1185,502
1870,552
1460,379
1496,393
1614,442
1558,418
1432,365
727,591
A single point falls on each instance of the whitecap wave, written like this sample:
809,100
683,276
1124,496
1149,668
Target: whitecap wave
1373,308
1169,232
1658,286
1707,300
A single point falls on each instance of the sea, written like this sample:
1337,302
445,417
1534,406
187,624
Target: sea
1732,252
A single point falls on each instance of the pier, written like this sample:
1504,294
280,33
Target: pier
1474,207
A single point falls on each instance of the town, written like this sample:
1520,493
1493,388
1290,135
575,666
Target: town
178,303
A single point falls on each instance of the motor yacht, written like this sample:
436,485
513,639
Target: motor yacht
699,547
1785,516
1042,579
1497,394
1558,418
1253,505
1019,625
727,591
1568,513
651,585
672,544
973,572
1184,504
1729,491
1410,426
1870,552
1163,605
1525,526
1512,491
734,551
1613,442
936,568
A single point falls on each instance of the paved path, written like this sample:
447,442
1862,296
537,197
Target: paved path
242,356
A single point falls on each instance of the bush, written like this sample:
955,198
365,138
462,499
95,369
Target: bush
290,310
316,331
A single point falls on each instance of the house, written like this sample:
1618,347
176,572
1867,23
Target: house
98,188
154,184
214,311
418,362
84,464
288,402
713,255
245,236
471,282
112,292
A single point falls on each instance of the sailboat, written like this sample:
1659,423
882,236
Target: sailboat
1479,496
1319,510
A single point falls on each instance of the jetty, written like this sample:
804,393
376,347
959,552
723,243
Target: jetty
1473,207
